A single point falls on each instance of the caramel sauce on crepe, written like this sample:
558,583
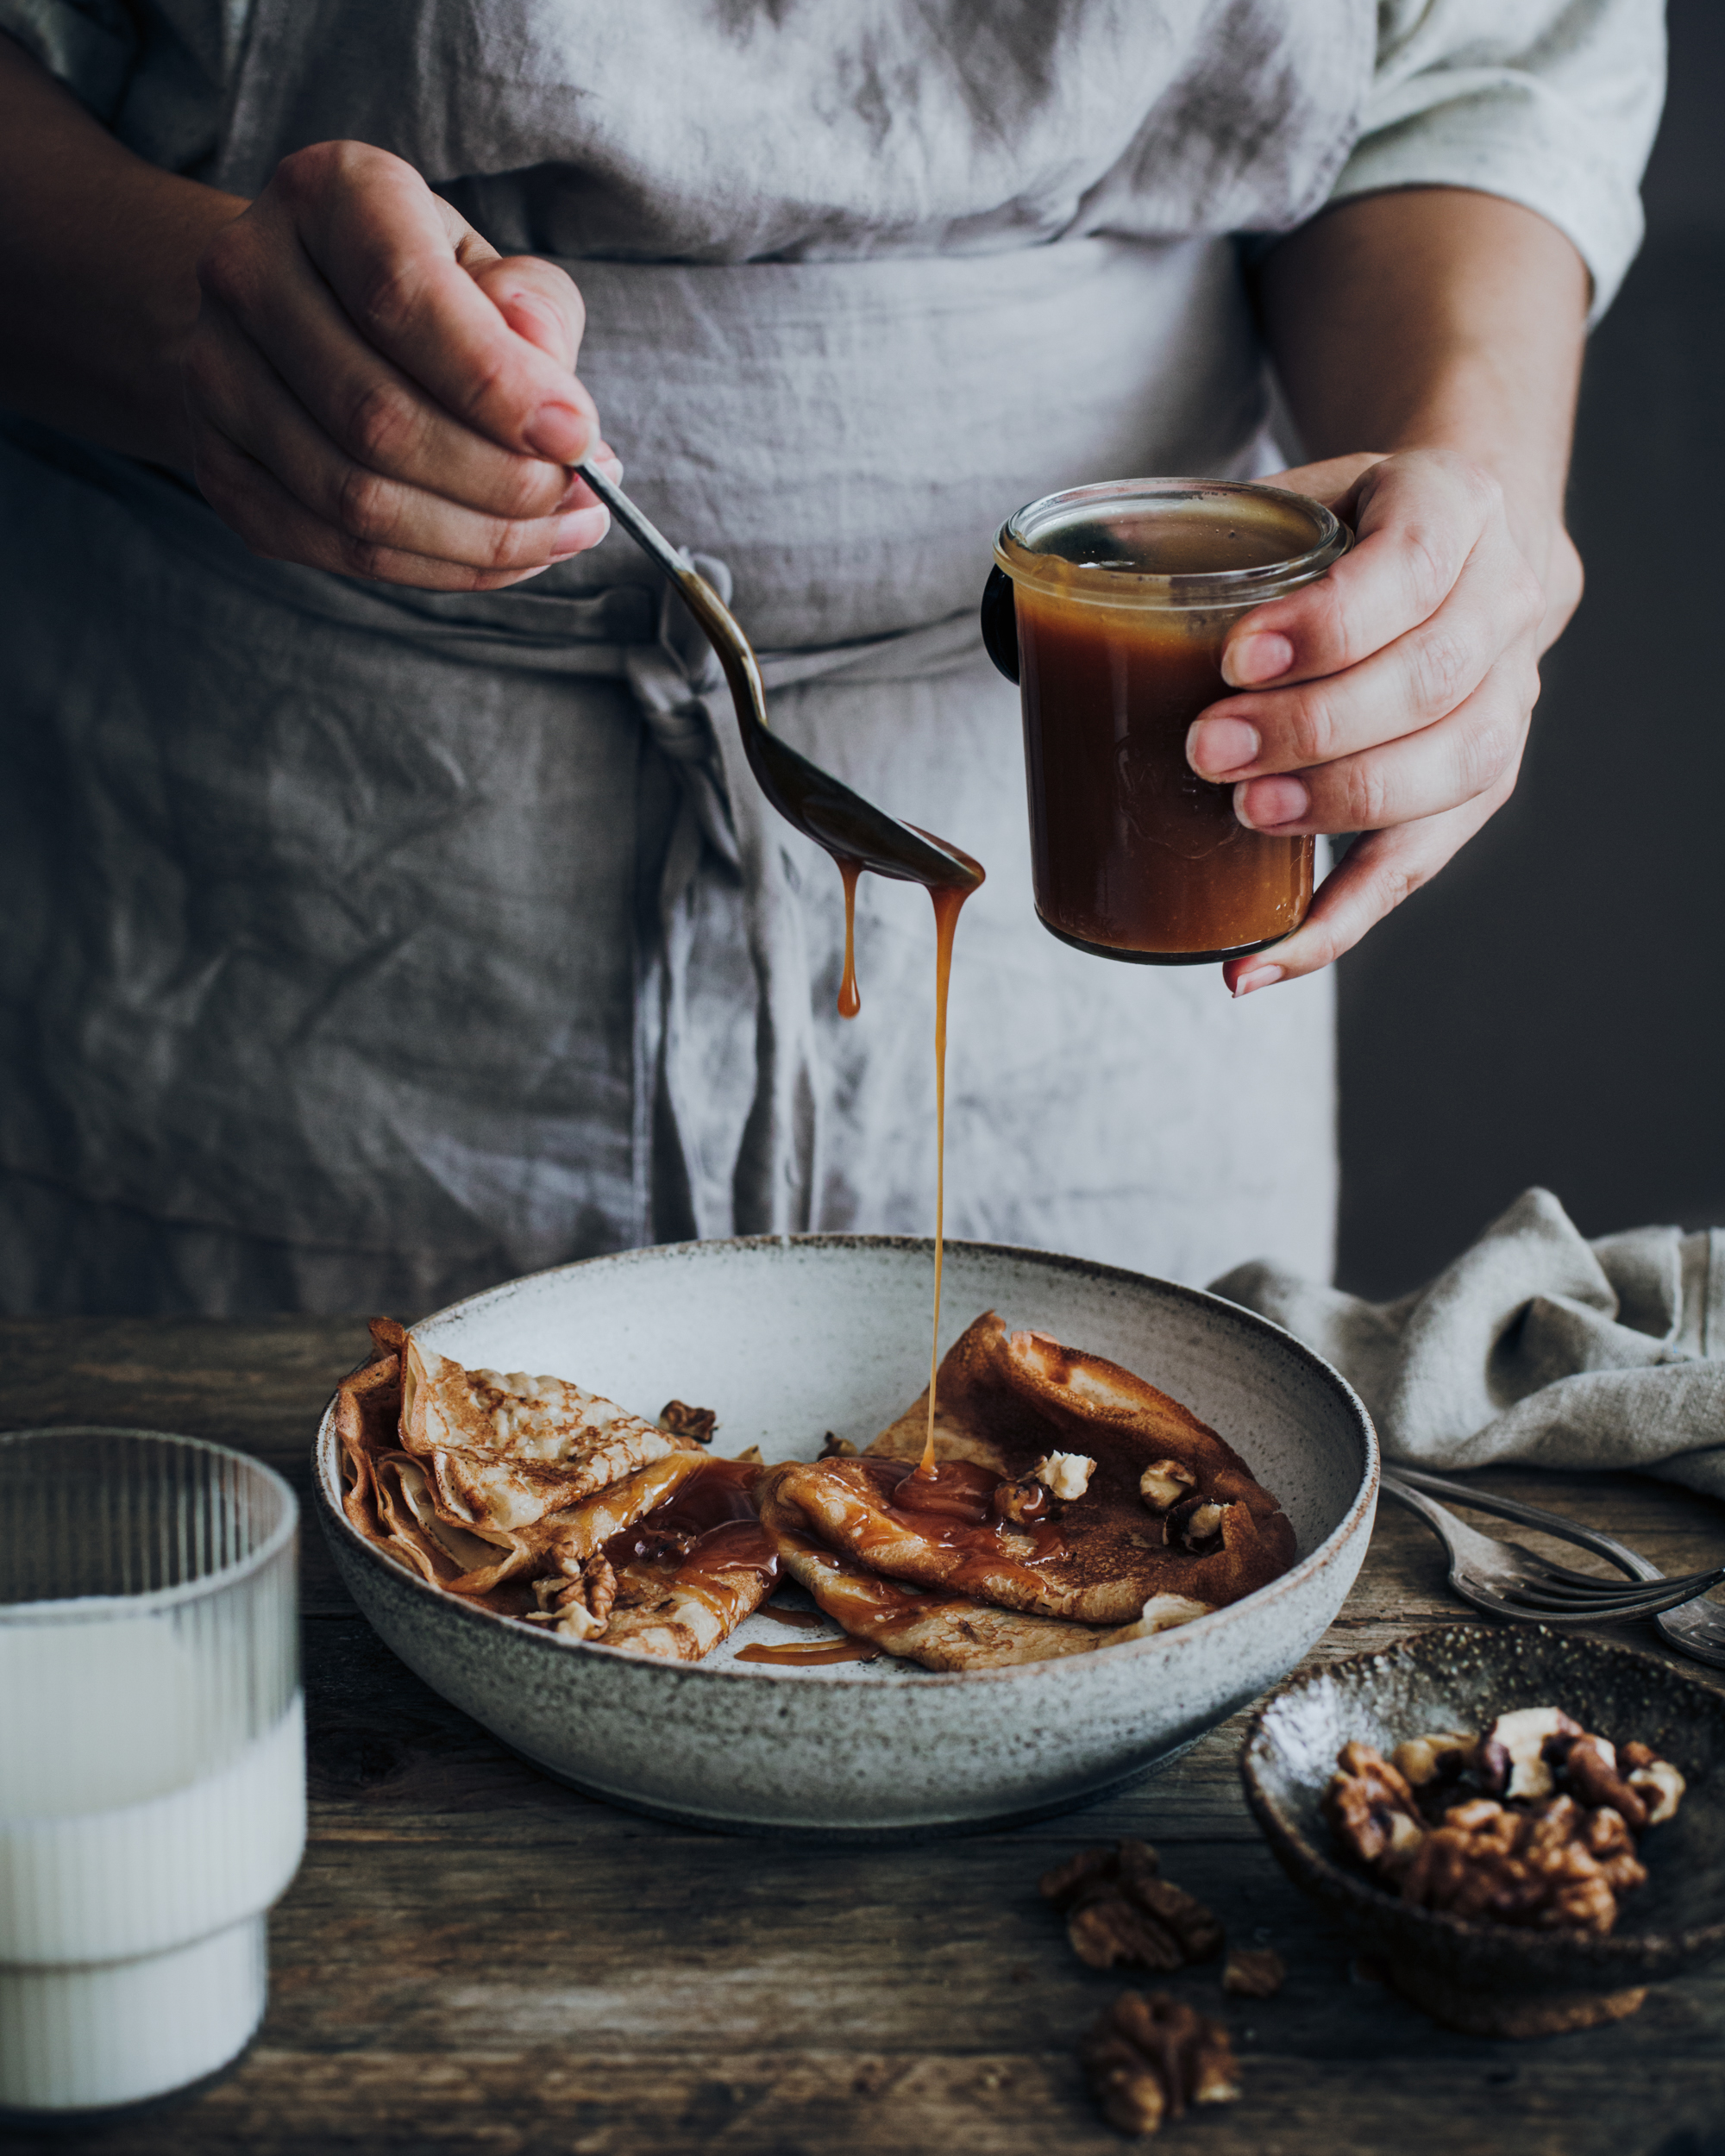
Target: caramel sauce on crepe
865,1534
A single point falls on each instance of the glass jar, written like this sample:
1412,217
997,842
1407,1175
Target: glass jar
1123,596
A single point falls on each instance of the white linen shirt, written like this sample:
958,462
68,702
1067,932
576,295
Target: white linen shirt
1552,104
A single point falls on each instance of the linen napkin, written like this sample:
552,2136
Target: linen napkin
1535,1344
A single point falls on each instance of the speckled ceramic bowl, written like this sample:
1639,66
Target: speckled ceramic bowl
788,1337
1493,1980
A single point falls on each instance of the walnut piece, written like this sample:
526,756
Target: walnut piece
1193,1524
1591,1766
1441,1756
1254,1972
577,1609
1022,1502
1371,1809
1530,1868
1656,1781
1164,1482
1162,1612
1121,1914
834,1447
678,1419
1512,1759
1067,1474
1150,2057
1550,1842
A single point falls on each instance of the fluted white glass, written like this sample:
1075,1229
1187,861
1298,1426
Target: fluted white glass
152,1758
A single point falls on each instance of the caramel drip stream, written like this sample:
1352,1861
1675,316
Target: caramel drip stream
948,903
850,995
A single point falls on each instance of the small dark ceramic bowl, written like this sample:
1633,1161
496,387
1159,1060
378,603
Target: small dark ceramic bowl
1495,1979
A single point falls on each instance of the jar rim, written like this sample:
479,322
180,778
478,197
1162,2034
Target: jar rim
1018,554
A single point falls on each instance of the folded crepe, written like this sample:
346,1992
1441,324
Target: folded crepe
724,1578
941,1630
507,1490
1163,1521
504,1448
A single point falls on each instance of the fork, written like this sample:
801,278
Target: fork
1695,1627
1508,1581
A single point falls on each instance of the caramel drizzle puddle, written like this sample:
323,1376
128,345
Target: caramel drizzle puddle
798,1620
793,1655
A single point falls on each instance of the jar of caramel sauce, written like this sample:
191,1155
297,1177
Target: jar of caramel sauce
1124,595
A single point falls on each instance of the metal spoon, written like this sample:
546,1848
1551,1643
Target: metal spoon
809,798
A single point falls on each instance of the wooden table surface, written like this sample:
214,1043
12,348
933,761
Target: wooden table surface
474,1958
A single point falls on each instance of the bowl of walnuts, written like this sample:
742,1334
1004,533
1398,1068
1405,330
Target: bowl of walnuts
1525,1827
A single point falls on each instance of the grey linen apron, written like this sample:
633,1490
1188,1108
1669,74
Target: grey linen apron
368,945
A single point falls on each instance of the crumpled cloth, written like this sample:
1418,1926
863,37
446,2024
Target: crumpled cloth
1536,1346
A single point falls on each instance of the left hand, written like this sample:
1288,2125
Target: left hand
1393,696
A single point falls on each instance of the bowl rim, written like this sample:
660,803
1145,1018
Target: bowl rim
326,1473
1592,1953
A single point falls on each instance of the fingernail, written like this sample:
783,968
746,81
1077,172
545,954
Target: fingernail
1265,805
1259,977
1260,657
1216,745
574,532
560,432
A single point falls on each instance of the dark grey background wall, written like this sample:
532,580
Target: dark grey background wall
1552,1009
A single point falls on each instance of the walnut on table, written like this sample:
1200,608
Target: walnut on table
1150,2057
1121,1914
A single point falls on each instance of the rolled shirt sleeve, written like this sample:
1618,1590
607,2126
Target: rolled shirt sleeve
1553,103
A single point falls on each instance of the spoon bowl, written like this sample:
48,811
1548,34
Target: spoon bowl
810,800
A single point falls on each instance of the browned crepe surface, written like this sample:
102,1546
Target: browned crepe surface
941,1630
394,1496
1007,1400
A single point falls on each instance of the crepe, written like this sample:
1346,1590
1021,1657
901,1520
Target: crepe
518,1518
503,1449
1106,1565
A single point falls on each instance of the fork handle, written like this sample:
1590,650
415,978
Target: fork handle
1415,1479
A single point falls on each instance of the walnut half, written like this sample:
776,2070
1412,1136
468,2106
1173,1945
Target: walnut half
1372,1810
1120,1914
678,1419
1656,1781
578,1608
1150,2058
1164,1482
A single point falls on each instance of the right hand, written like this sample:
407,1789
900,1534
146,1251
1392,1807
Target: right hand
372,389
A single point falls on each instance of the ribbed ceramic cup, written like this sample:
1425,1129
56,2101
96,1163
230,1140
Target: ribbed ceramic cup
153,1765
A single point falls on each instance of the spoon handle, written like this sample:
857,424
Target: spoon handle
717,624
644,532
